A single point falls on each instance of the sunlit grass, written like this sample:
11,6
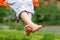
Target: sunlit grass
20,35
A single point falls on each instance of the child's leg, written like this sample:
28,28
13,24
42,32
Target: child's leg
30,15
35,26
27,19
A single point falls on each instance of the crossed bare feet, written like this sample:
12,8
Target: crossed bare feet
29,29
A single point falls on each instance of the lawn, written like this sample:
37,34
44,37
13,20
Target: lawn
20,35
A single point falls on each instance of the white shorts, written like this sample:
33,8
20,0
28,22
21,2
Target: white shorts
21,5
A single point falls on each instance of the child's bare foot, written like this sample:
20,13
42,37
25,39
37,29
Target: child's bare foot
28,30
36,28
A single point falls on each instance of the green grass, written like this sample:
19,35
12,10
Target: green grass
20,35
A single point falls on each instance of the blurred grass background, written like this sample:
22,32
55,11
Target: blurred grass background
47,14
12,28
19,35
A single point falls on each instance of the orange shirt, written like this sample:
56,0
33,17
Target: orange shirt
35,3
3,3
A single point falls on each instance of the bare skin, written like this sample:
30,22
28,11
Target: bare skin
31,26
